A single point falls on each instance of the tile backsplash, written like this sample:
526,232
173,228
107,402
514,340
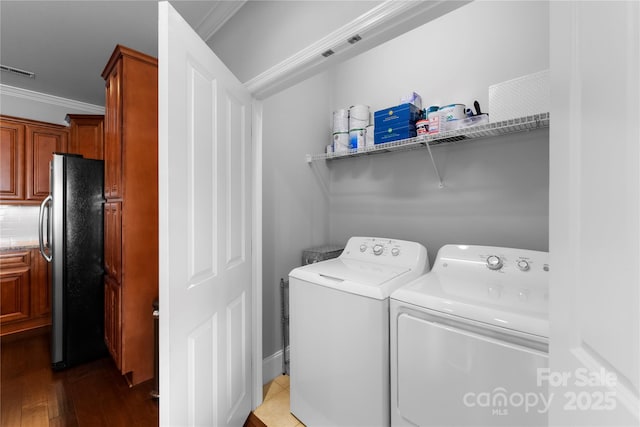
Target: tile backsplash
18,225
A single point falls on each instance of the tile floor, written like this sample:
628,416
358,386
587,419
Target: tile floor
274,411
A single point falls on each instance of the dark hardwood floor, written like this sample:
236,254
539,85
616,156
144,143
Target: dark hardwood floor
90,395
254,421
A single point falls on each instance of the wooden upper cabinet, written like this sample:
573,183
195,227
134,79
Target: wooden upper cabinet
86,135
11,160
26,149
41,142
112,133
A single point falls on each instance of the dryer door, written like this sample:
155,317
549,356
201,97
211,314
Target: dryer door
450,375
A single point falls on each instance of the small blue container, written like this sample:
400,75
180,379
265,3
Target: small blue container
400,115
393,133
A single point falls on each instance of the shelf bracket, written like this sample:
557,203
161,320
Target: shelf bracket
435,168
322,181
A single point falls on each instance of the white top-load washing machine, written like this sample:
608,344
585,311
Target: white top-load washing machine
469,340
339,331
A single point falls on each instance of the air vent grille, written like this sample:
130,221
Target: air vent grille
354,39
18,71
327,53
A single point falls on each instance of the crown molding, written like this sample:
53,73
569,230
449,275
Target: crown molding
217,16
31,95
385,17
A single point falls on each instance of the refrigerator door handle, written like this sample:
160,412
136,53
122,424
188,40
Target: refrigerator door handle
43,205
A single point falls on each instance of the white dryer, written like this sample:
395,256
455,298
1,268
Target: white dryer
339,331
469,340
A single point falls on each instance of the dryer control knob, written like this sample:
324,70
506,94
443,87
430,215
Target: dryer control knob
523,265
494,262
378,249
363,247
395,251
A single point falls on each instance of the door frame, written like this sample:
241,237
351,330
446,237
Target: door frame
256,248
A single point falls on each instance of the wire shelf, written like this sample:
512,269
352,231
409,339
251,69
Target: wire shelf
520,124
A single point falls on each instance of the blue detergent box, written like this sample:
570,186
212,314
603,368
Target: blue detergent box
391,133
400,115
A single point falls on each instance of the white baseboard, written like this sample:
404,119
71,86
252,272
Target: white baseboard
272,366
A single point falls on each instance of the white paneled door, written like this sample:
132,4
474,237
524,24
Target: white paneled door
205,156
594,244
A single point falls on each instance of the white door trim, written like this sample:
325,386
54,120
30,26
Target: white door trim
256,248
216,17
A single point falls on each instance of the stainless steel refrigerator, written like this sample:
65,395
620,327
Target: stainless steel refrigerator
71,238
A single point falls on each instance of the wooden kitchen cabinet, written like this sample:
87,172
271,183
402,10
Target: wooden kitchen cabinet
131,210
11,160
113,132
41,142
25,291
40,287
26,148
15,282
113,240
86,135
112,326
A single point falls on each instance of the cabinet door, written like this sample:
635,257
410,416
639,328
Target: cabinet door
40,286
15,281
112,327
113,134
113,239
41,143
86,135
11,161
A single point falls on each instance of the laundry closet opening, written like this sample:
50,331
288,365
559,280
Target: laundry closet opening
496,190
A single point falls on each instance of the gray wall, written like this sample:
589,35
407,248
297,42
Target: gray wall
496,193
295,203
496,190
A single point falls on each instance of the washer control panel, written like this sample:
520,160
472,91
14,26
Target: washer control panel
386,251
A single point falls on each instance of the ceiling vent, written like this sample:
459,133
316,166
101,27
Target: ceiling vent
18,71
327,53
355,39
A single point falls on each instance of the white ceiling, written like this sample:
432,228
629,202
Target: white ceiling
67,43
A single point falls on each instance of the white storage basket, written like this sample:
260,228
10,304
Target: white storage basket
520,97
